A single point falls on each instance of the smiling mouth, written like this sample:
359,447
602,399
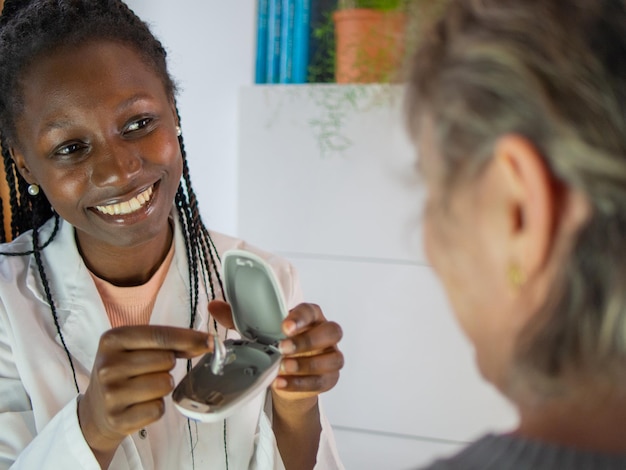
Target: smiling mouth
128,207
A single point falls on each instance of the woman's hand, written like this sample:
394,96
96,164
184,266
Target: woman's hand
310,366
311,357
130,377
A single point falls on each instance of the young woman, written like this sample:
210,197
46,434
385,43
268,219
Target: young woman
518,111
108,234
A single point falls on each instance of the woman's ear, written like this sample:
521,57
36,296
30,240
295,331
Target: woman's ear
22,167
174,111
533,200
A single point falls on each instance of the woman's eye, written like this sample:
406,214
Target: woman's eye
69,149
137,125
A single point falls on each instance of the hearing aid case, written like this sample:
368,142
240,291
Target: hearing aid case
249,364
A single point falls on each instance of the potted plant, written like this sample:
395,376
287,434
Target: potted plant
370,39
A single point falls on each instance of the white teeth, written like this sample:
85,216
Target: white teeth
134,204
126,207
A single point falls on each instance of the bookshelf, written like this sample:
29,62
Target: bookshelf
325,178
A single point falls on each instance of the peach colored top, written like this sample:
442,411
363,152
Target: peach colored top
127,306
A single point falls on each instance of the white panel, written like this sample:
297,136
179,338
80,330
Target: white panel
326,178
328,169
408,368
364,451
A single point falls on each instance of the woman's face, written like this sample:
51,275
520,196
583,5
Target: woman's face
98,134
461,240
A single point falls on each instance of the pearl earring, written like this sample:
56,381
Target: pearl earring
179,131
33,189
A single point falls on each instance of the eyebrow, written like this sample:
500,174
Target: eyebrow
54,125
64,123
132,100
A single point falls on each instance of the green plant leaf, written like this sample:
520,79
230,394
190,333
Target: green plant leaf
384,5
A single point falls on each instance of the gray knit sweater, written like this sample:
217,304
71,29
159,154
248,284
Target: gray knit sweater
508,452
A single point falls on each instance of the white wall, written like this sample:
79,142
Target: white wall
326,178
211,48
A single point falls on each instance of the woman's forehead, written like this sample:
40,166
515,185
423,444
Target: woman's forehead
89,72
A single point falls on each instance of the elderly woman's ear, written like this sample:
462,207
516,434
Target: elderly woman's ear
539,213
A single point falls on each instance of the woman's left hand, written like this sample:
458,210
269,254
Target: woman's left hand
310,365
311,357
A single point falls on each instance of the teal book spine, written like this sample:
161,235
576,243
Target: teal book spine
302,33
274,30
287,42
260,73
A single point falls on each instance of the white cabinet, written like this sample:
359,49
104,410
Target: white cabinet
326,178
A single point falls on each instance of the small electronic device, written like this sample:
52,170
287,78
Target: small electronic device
238,369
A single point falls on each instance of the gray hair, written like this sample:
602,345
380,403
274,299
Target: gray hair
553,71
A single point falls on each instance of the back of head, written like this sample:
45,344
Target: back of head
32,28
553,71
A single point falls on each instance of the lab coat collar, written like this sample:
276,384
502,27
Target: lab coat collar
80,310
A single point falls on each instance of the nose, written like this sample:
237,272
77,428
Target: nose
116,164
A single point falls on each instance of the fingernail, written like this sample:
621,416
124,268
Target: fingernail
280,383
287,347
289,366
289,327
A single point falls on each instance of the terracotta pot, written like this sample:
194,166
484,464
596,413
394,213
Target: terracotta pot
370,45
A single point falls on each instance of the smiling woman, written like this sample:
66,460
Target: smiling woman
112,275
98,135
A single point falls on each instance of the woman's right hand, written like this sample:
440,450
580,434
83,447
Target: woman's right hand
130,377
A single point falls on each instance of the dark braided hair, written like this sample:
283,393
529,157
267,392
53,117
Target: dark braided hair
31,28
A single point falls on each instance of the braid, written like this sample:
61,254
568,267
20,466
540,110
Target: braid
46,287
192,270
202,247
3,235
201,251
16,209
55,229
206,251
22,206
184,216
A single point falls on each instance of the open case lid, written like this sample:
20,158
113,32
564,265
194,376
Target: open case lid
255,296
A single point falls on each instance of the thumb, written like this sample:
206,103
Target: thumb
221,311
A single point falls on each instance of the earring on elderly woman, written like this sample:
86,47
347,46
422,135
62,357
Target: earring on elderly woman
516,276
179,131
33,189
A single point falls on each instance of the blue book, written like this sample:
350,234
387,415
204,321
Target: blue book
302,27
287,41
273,36
260,73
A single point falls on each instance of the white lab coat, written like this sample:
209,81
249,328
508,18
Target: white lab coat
38,420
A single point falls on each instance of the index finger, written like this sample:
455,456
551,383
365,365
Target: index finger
185,342
301,318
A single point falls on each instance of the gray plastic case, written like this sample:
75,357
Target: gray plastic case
251,363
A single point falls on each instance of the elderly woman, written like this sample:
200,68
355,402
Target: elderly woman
518,110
